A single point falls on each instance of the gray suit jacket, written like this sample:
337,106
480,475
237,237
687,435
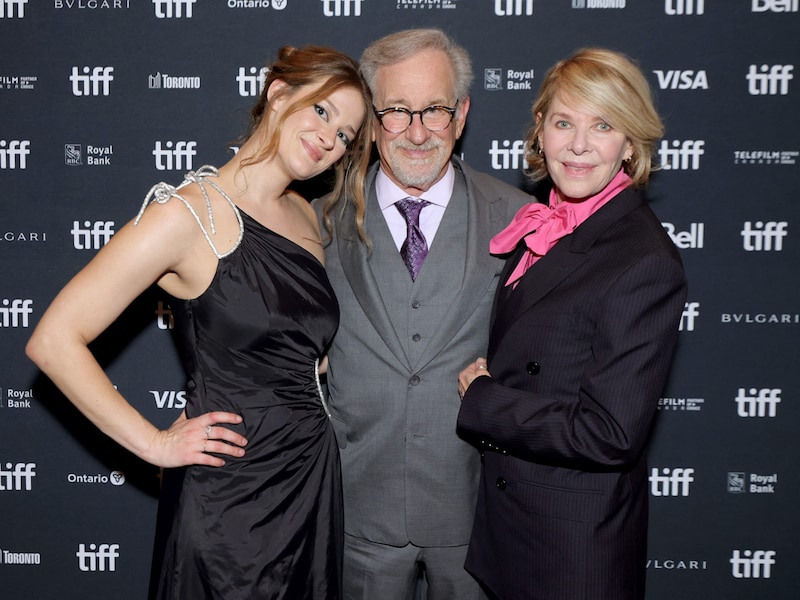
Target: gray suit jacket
394,363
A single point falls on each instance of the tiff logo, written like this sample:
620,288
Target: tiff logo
769,80
764,236
760,403
341,8
752,564
505,8
182,154
684,7
509,156
17,477
13,153
682,155
164,319
776,6
7,8
672,482
92,236
14,313
252,84
690,312
167,9
98,558
94,81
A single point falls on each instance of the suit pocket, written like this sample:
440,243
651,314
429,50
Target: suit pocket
579,505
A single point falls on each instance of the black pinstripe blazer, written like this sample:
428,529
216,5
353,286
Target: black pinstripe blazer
579,353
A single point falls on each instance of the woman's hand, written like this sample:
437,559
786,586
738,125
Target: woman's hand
468,375
193,441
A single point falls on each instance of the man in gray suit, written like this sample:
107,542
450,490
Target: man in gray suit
410,482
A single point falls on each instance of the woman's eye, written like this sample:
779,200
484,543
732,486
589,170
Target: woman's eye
604,127
344,138
562,124
321,111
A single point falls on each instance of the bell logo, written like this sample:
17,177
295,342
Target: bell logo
102,557
752,564
777,6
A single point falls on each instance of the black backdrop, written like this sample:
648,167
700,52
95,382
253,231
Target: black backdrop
99,99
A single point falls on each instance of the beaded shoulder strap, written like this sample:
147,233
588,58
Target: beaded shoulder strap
162,192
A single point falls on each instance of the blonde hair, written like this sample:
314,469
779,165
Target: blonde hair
609,84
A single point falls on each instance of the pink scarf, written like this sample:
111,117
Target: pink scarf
541,226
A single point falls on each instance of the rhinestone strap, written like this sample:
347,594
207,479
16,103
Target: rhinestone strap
319,388
162,192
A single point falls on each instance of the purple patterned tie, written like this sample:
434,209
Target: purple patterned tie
415,248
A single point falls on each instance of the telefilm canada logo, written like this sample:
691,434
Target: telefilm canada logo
426,4
740,482
765,157
17,82
675,404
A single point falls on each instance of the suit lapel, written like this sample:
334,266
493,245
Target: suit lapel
549,271
354,258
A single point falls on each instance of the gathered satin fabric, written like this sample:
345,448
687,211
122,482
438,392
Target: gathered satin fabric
542,225
268,525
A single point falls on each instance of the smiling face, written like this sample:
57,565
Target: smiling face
417,158
583,152
313,138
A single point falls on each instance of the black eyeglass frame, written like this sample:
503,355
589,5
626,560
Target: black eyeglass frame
395,109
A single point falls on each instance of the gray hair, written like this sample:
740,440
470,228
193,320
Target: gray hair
402,45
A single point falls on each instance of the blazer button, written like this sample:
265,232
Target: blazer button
415,304
533,368
500,483
414,380
416,337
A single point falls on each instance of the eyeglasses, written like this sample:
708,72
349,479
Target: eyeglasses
398,119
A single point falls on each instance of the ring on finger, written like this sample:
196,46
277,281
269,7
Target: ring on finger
204,447
208,431
481,366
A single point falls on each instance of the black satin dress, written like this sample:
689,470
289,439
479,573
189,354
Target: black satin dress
268,525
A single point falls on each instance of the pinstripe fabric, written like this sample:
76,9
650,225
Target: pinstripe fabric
579,354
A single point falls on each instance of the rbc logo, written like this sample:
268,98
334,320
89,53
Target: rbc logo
92,236
7,8
252,84
674,482
764,236
769,80
752,564
681,156
760,403
509,156
101,557
13,153
167,9
684,7
94,81
179,157
341,8
506,8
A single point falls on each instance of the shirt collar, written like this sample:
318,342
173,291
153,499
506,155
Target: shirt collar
439,193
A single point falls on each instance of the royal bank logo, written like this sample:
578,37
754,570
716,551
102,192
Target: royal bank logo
679,155
777,6
96,156
769,80
341,8
764,236
753,483
17,82
251,82
174,156
684,7
496,79
688,238
670,482
426,4
163,81
598,3
164,318
14,154
681,79
115,478
513,8
691,311
752,564
493,79
173,9
680,404
765,157
92,81
73,155
17,398
17,477
10,557
91,235
10,9
15,312
97,557
758,403
507,154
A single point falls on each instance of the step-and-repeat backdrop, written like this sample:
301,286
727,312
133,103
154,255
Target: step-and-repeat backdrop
100,99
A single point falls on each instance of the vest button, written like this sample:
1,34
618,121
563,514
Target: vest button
500,483
533,368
